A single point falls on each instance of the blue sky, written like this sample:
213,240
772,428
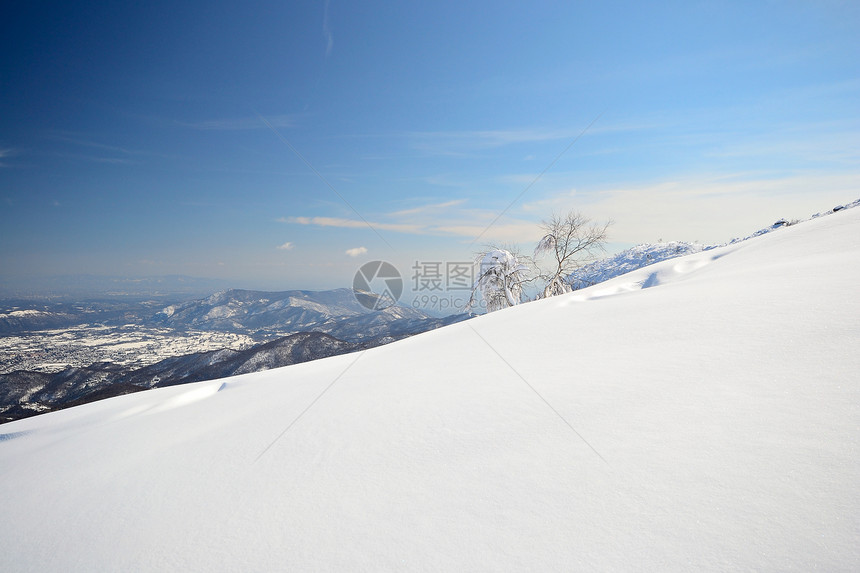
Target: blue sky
255,142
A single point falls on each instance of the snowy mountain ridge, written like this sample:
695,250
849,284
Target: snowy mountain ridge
336,312
629,260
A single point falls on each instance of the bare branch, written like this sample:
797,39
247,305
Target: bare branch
571,241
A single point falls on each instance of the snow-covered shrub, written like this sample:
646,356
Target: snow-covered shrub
500,280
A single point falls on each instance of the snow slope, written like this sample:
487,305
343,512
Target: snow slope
702,413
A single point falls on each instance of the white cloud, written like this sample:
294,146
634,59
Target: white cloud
286,246
356,252
352,224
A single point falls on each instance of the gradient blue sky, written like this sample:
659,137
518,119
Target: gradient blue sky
134,137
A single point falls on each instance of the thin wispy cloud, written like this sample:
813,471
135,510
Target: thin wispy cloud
459,142
240,123
288,246
4,153
464,223
327,34
83,142
113,155
96,158
350,224
83,147
356,252
434,207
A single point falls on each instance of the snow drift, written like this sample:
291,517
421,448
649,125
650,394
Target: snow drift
700,413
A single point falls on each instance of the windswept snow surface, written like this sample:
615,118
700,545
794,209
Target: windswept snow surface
702,413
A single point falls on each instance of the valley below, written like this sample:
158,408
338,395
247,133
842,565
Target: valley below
129,345
54,355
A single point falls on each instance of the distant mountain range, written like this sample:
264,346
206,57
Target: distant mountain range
336,312
259,313
320,324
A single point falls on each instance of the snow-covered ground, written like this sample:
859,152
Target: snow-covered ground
702,413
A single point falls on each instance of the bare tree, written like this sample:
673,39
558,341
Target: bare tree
570,241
